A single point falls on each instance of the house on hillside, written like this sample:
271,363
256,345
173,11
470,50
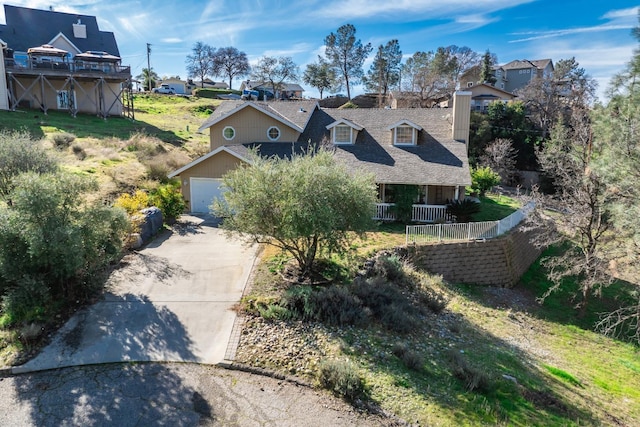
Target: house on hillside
62,61
180,87
285,91
423,147
483,95
511,76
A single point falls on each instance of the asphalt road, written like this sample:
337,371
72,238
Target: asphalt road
154,394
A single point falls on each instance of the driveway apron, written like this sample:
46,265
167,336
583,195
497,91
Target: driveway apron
171,301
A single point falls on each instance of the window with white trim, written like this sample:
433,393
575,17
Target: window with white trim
404,135
228,133
273,133
342,134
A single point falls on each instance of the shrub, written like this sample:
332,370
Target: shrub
405,196
410,358
342,379
275,312
169,200
52,241
63,139
79,152
435,301
463,210
484,179
337,306
133,203
26,301
474,379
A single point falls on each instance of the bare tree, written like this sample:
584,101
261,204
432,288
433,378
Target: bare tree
275,71
581,198
549,97
200,62
430,74
346,54
500,156
466,58
230,62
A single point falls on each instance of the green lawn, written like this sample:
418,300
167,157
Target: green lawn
494,207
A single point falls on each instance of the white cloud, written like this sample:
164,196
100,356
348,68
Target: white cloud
411,9
535,35
172,40
631,12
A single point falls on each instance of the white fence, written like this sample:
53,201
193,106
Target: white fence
417,234
419,213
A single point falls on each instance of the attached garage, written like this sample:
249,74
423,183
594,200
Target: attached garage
201,180
203,192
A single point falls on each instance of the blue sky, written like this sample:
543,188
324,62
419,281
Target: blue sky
596,32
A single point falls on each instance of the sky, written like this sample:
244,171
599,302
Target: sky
596,32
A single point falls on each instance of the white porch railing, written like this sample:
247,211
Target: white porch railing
465,231
420,213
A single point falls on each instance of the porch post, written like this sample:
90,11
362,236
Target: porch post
457,194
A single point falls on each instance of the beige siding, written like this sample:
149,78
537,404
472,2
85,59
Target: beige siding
250,126
214,167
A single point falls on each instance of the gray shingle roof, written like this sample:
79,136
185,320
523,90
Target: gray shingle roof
296,112
27,28
436,160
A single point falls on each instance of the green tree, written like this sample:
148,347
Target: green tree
346,54
302,205
200,61
321,76
616,129
486,71
275,70
19,153
149,78
385,69
484,179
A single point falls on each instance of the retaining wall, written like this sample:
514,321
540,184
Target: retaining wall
497,262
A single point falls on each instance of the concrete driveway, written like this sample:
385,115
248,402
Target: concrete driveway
171,302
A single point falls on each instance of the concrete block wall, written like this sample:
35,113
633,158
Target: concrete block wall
494,262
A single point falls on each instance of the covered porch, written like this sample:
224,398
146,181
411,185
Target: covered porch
430,203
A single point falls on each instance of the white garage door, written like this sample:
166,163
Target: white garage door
203,191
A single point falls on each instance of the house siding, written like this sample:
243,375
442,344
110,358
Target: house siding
250,126
213,167
519,78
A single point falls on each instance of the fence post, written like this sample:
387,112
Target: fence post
499,231
468,231
439,233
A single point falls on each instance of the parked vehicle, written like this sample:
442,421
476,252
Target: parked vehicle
164,88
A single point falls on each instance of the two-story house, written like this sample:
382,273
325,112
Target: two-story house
62,61
413,146
511,76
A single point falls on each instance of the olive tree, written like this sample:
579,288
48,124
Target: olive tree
303,204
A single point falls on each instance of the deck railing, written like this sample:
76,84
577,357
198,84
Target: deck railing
65,67
417,234
420,213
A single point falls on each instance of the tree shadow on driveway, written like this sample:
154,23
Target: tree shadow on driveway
121,328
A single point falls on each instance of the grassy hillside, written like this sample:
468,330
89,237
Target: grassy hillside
492,356
122,154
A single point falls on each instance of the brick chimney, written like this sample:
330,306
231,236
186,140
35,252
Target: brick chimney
461,116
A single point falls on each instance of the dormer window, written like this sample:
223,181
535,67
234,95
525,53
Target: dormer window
404,133
342,134
344,131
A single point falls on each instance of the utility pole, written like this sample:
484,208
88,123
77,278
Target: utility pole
149,67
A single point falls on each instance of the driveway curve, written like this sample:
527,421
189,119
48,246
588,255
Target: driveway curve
169,302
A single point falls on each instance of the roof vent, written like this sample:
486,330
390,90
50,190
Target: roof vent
302,110
79,30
